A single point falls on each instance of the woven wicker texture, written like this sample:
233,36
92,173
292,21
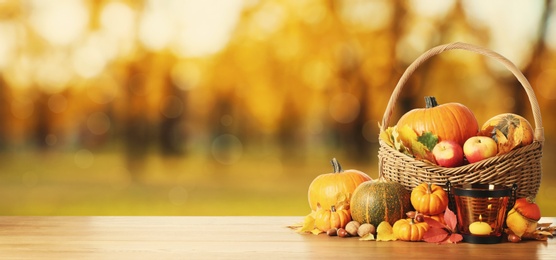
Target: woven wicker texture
521,166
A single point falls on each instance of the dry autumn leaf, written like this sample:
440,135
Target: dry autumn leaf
517,136
386,136
405,140
504,145
368,237
308,225
385,232
398,142
417,145
442,233
342,201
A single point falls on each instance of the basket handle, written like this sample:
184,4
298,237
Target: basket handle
539,131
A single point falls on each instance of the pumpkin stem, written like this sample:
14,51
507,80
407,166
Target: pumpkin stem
336,165
430,102
429,188
332,208
530,199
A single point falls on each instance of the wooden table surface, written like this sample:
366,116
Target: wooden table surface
152,237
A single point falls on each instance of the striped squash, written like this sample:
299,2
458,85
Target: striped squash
380,200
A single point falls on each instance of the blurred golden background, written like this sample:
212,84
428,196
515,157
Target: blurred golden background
207,107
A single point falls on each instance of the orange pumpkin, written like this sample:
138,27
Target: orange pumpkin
451,121
326,189
429,199
438,217
326,219
516,131
409,230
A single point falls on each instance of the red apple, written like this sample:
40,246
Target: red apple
448,153
478,148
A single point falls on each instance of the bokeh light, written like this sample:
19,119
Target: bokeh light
60,22
57,103
98,123
344,108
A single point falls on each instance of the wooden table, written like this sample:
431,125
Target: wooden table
222,238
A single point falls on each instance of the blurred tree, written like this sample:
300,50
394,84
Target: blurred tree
537,64
4,113
137,130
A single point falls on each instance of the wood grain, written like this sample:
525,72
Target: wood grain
30,237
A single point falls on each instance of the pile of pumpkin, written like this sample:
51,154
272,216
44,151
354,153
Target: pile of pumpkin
449,135
351,204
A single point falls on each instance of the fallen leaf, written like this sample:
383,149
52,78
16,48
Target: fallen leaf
543,225
455,238
368,237
385,232
436,235
442,233
316,231
450,219
308,224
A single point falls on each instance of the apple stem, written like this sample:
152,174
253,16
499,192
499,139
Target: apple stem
336,165
430,102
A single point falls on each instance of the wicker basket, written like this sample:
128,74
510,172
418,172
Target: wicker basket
521,166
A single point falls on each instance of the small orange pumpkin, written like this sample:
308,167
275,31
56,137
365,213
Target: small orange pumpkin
326,188
438,217
410,230
450,121
429,199
326,219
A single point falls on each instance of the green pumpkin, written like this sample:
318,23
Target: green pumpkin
376,201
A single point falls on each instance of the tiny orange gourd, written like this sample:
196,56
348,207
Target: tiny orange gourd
450,121
409,230
326,219
429,199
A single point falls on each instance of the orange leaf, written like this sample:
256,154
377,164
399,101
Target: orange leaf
436,235
385,232
455,238
440,233
450,219
409,139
